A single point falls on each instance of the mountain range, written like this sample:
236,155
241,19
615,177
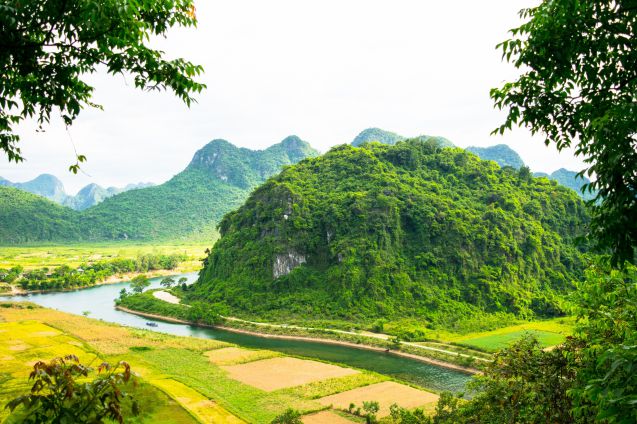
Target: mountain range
501,154
218,179
51,187
189,205
397,231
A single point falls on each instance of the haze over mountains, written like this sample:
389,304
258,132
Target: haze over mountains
217,180
51,187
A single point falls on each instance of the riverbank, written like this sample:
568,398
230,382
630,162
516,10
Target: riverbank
113,279
328,341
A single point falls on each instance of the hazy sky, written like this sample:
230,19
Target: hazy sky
323,70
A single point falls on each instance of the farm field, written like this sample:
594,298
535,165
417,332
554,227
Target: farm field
38,256
184,375
548,333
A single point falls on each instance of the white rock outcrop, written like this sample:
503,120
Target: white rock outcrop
286,262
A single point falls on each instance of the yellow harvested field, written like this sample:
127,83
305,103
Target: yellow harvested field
201,407
279,373
386,394
237,355
325,417
109,339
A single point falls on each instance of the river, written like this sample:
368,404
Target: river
99,301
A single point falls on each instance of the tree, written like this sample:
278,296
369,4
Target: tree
371,408
48,46
183,280
123,293
606,305
63,393
395,342
589,378
204,313
167,282
578,89
290,416
139,283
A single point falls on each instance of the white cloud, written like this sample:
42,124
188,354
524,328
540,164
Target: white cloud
322,70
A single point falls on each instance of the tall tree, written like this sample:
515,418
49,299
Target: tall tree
139,283
579,88
47,47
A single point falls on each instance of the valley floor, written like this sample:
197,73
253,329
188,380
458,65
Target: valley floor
185,379
52,255
467,352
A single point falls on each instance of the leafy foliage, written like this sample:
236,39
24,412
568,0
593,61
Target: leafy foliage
61,394
589,378
607,375
392,231
139,283
48,45
290,416
579,86
572,180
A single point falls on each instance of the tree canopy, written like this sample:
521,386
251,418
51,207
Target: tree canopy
579,88
47,47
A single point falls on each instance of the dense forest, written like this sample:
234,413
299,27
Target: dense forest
217,180
392,231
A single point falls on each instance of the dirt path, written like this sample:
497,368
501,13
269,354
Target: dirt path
167,297
380,336
310,339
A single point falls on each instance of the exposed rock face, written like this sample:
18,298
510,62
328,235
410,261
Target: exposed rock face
286,262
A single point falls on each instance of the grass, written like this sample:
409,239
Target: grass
495,342
548,333
179,382
25,342
49,255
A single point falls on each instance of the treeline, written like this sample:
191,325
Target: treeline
86,275
197,312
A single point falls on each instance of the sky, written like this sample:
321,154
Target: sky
322,70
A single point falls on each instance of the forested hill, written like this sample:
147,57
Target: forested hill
386,137
218,179
571,180
501,154
395,231
27,217
51,187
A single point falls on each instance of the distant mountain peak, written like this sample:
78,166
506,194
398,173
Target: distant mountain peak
501,154
377,134
387,137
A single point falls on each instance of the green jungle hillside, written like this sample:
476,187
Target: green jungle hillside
26,216
411,230
217,180
502,154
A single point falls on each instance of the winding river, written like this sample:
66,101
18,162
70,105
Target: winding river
98,301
